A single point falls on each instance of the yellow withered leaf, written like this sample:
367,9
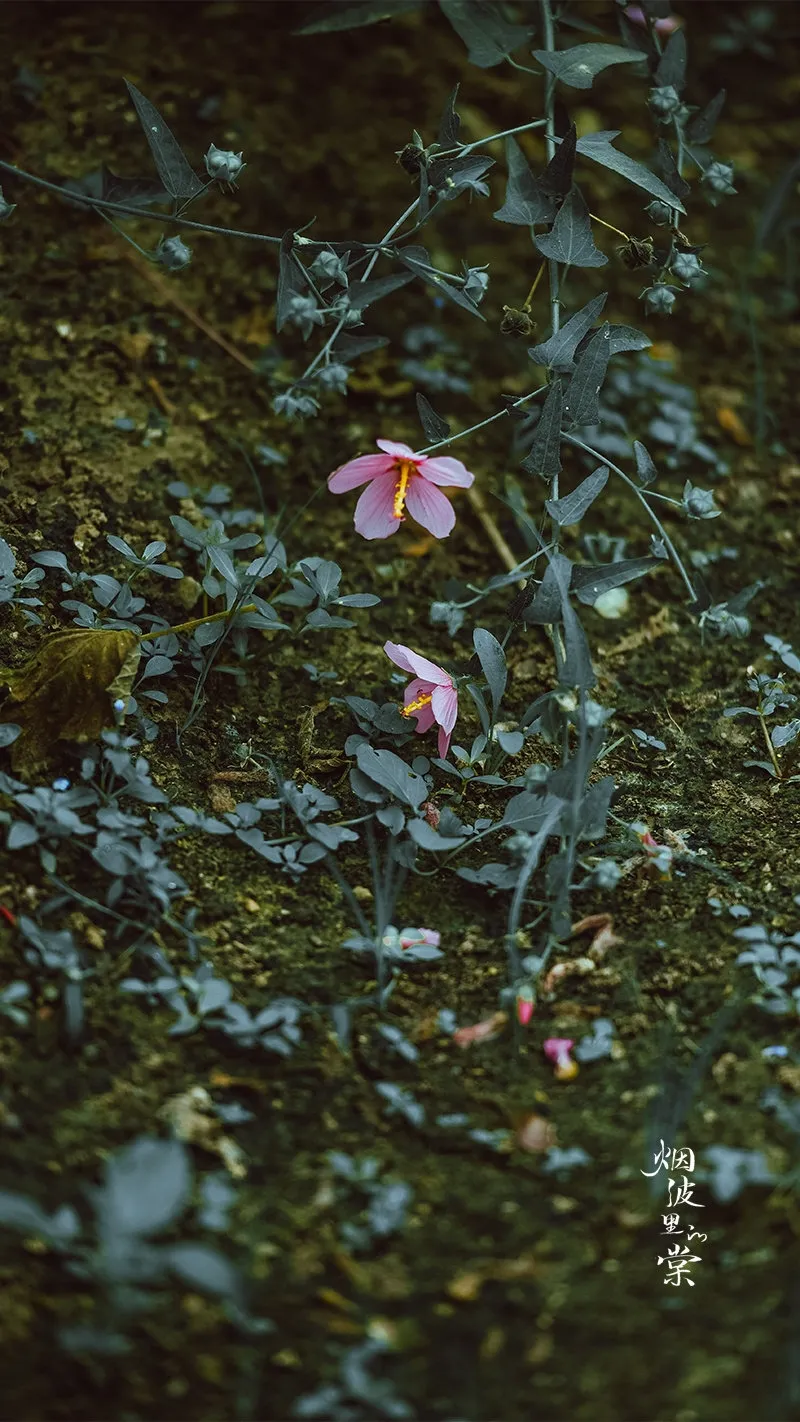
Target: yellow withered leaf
66,690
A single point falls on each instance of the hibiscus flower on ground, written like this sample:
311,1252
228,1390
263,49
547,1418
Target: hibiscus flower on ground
401,481
431,697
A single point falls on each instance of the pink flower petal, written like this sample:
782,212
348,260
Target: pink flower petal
399,655
357,472
398,451
430,507
447,471
445,706
425,719
418,687
428,671
374,516
444,742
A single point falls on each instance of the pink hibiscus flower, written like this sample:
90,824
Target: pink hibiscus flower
431,696
400,480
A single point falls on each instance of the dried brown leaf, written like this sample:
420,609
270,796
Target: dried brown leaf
66,690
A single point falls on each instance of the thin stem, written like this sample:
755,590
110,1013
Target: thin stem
498,415
548,34
323,353
529,298
196,622
355,906
610,226
80,200
595,453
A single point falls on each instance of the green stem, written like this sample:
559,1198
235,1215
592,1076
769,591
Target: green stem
595,453
498,415
196,622
101,204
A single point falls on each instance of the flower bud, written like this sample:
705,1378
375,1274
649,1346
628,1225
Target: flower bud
304,313
516,323
637,252
412,156
294,405
687,268
475,284
333,377
699,503
663,101
719,177
659,213
660,299
223,164
174,254
328,267
6,208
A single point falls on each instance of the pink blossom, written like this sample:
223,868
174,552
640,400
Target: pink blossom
525,1005
400,480
480,1031
414,937
557,1049
636,15
431,696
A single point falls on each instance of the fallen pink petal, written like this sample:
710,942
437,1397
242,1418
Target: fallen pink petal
557,1050
525,1006
480,1031
414,937
431,697
401,481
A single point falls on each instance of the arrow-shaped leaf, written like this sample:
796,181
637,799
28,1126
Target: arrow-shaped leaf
579,66
174,168
526,201
581,404
557,352
598,147
545,456
434,426
573,506
570,238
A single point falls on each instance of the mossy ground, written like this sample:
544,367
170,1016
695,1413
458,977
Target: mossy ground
509,1294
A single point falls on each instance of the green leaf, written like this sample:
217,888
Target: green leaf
573,506
557,176
598,147
363,293
417,260
426,837
645,468
493,664
174,169
672,64
590,581
545,456
557,352
389,771
578,67
434,427
700,127
353,17
570,238
581,404
526,201
488,36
